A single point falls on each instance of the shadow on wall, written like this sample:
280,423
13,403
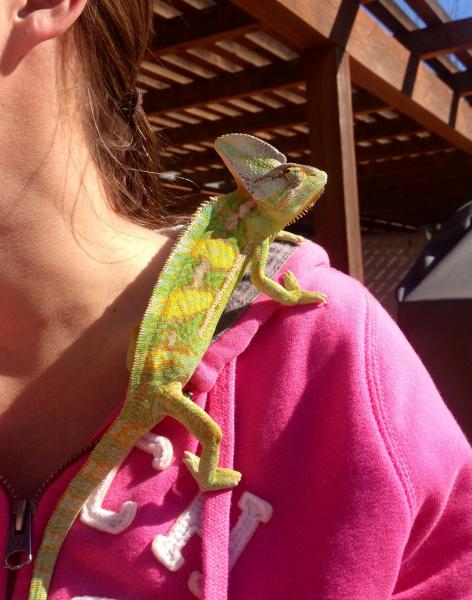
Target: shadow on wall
435,312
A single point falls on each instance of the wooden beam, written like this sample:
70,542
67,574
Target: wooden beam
462,82
441,39
379,62
397,149
200,27
330,120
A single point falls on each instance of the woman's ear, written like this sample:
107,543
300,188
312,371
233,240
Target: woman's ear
35,21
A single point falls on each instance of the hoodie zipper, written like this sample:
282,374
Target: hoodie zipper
18,552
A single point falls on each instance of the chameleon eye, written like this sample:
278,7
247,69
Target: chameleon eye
293,176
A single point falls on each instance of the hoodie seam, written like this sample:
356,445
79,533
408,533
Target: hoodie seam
377,404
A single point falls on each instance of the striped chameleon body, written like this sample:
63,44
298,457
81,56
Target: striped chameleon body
225,237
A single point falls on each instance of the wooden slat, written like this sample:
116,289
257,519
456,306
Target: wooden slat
398,149
432,13
399,168
287,116
330,120
391,15
247,123
205,159
231,56
386,128
233,85
200,27
379,62
204,177
290,116
193,74
259,50
206,62
399,23
415,204
424,176
257,80
440,39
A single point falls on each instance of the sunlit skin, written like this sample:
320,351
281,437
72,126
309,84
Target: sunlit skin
72,272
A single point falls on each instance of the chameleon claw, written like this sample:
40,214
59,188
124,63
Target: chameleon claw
290,282
300,296
219,479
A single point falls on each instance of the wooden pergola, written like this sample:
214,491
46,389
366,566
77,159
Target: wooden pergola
354,88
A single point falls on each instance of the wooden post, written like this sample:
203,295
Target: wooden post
336,215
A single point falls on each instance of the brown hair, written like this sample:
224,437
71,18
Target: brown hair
111,37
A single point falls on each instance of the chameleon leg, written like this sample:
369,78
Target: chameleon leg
205,469
290,293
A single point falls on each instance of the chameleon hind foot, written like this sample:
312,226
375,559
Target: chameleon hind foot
217,479
173,402
301,296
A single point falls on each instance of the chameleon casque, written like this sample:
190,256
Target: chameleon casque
226,236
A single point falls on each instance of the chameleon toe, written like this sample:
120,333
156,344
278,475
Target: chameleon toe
219,479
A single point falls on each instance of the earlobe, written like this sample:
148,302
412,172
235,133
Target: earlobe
37,21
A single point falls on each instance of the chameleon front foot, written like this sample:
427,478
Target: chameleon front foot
288,236
299,296
217,479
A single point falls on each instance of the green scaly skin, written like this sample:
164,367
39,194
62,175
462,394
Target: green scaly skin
225,237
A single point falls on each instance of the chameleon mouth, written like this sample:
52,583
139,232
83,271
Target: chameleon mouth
307,207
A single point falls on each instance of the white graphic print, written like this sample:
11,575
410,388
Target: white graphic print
167,548
94,515
254,511
160,447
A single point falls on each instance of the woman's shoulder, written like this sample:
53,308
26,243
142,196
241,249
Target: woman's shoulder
353,356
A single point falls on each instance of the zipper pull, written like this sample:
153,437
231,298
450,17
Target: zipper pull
18,553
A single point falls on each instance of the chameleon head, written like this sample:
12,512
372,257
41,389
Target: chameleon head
288,191
281,191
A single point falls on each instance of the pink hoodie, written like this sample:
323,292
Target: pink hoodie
357,482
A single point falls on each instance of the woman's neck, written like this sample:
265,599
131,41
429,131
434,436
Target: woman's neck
65,255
